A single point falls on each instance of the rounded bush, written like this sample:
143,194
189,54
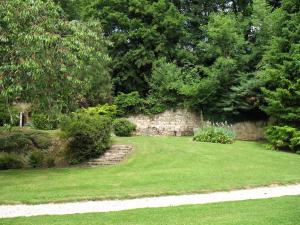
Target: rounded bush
15,142
10,161
89,136
284,137
123,127
130,103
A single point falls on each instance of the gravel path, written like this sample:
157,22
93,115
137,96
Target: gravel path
8,211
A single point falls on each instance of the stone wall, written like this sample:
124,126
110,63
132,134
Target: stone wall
169,123
250,131
183,122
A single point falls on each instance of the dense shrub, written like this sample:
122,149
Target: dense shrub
89,136
284,137
153,106
40,140
215,133
130,103
295,143
36,159
15,142
10,161
123,127
23,141
102,110
44,121
31,148
133,103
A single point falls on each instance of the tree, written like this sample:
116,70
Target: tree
141,32
46,60
165,83
223,54
280,67
223,84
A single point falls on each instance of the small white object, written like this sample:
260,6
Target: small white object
21,119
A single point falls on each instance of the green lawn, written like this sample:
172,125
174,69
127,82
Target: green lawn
158,166
277,211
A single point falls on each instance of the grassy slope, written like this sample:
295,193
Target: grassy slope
279,211
158,166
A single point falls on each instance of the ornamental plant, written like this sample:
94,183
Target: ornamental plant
123,127
215,133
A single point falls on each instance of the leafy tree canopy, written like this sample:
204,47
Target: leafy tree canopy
141,31
47,60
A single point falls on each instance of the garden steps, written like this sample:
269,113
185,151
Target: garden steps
112,156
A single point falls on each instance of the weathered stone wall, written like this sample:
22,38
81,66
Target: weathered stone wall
173,123
250,131
183,122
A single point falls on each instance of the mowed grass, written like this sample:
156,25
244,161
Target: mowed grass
278,211
157,166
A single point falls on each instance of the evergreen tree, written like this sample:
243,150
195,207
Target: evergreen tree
281,68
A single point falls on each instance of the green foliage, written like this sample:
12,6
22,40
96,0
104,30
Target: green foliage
33,148
225,34
215,133
123,127
8,114
165,83
153,105
8,117
11,161
144,31
141,32
36,159
70,8
284,137
280,67
295,142
89,136
233,59
22,142
16,142
55,63
102,110
228,86
44,121
4,115
40,140
130,103
219,85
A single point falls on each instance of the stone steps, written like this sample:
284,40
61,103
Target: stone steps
112,156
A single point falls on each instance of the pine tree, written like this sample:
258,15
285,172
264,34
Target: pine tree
281,67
